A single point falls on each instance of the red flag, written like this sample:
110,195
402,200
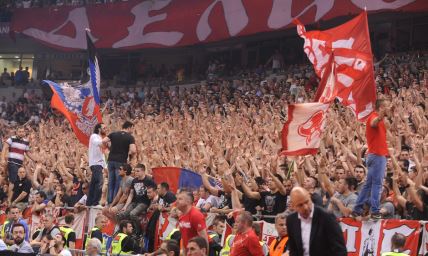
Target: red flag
301,134
348,45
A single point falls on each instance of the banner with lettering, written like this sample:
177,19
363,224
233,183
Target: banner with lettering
171,23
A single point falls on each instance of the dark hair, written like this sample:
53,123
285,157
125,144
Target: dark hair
165,185
124,224
42,194
127,125
69,218
141,166
97,128
172,246
17,225
361,166
152,186
160,251
259,181
218,219
200,241
386,189
127,168
351,182
388,181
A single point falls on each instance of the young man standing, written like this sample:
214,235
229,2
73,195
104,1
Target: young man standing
122,146
96,164
376,161
14,151
192,221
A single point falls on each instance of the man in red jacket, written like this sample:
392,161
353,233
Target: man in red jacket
246,241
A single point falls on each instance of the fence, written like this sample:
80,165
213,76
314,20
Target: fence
360,237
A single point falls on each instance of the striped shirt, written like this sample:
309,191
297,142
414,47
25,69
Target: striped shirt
17,149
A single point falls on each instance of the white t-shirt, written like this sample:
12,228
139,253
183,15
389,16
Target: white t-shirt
83,200
95,153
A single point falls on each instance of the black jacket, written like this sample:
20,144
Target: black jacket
326,235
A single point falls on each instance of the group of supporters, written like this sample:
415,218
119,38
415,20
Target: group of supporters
226,131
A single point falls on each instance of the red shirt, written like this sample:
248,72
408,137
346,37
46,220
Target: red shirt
190,224
246,243
376,137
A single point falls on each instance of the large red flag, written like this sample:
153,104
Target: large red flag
348,45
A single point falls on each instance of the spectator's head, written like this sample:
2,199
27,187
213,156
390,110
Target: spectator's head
163,188
288,184
40,196
340,172
272,184
360,173
203,192
160,252
100,129
397,242
301,202
381,105
404,155
280,224
171,247
14,213
347,185
152,192
125,170
238,177
60,241
18,233
219,224
48,221
60,190
127,125
140,171
22,173
94,247
126,227
69,219
310,183
184,200
244,221
20,132
197,246
100,221
85,188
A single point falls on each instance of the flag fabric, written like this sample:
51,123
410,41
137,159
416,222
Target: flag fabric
348,46
177,178
301,134
80,103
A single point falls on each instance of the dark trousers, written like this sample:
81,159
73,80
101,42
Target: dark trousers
12,170
96,185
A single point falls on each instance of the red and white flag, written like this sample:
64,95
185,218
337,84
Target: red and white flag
301,134
348,48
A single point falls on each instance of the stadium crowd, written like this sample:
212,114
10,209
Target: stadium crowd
227,130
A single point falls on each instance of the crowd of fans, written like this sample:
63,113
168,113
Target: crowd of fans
226,130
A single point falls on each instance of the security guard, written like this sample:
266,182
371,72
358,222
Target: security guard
227,245
397,245
279,246
175,235
122,243
96,232
68,233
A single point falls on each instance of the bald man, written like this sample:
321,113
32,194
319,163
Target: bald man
311,230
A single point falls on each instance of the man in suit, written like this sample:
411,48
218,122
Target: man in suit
312,231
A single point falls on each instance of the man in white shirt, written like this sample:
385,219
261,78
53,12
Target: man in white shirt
97,163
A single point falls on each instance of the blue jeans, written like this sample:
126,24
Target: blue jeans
113,179
96,186
372,188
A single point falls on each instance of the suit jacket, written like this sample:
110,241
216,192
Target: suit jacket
326,235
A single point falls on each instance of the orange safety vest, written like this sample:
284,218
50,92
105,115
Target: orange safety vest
278,248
